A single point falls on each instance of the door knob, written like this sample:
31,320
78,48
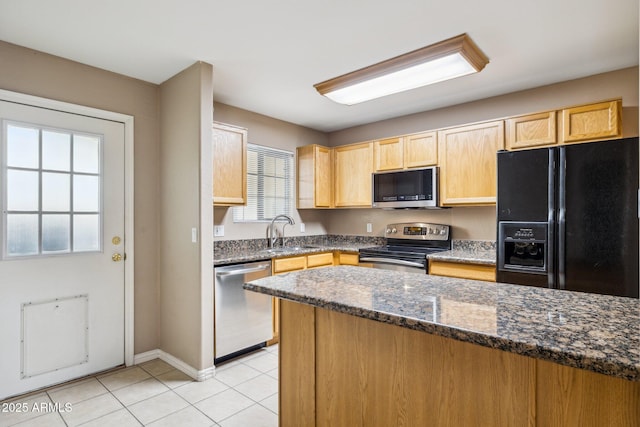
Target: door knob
116,257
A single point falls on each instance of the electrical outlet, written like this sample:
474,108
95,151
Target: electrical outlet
302,227
218,230
369,227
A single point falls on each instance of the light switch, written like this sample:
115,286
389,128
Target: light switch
194,235
218,230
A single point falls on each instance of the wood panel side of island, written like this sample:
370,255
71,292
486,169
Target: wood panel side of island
374,374
338,369
296,369
572,397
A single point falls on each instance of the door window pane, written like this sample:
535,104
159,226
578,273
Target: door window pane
22,234
53,191
23,147
56,191
56,151
86,154
22,190
86,233
56,234
86,193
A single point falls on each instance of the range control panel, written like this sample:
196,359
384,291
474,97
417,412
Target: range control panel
417,231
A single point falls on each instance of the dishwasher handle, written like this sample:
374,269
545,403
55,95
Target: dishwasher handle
246,270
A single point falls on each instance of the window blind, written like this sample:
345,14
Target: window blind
269,184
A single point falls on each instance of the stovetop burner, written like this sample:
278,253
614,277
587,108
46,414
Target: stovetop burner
411,241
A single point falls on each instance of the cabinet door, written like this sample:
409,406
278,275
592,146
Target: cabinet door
348,259
464,271
320,260
532,130
283,265
591,122
315,189
229,165
353,165
420,149
467,159
323,180
388,154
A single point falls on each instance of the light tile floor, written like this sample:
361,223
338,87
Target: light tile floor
244,392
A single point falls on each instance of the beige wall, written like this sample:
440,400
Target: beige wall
263,130
39,74
186,300
478,223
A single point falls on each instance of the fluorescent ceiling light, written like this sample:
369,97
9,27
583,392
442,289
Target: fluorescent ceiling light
448,59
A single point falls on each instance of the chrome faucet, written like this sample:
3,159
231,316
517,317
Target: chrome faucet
272,238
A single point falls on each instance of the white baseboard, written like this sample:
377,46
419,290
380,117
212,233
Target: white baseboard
198,375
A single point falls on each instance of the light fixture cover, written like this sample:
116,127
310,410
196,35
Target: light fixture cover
448,59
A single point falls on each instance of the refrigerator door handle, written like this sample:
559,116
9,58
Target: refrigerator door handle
562,177
551,219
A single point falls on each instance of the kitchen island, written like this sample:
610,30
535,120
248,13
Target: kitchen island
375,347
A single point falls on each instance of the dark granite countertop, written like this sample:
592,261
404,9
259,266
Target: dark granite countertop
465,256
468,252
233,256
588,331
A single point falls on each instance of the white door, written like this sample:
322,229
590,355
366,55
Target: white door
62,236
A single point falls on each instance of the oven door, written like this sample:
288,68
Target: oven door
381,262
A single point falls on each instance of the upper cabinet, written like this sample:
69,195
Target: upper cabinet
592,122
315,177
353,165
531,130
467,159
420,149
404,152
229,165
466,155
388,154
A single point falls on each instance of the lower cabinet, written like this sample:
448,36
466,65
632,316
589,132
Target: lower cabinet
295,263
463,271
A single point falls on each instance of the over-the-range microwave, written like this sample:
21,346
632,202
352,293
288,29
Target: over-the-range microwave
413,188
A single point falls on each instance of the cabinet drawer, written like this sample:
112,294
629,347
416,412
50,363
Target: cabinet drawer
319,260
463,271
348,259
281,265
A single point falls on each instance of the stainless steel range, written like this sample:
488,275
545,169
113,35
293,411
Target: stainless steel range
408,244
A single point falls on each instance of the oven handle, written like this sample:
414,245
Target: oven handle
393,261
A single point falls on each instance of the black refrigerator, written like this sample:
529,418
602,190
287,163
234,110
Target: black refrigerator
568,217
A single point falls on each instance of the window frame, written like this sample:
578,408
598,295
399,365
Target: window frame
289,176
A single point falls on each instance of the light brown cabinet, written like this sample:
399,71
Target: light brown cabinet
388,154
315,177
405,152
420,149
463,270
531,130
345,258
592,122
353,165
294,263
467,160
229,165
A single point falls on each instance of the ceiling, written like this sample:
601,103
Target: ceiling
267,55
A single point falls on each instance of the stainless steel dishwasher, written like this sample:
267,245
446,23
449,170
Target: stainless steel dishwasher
243,319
